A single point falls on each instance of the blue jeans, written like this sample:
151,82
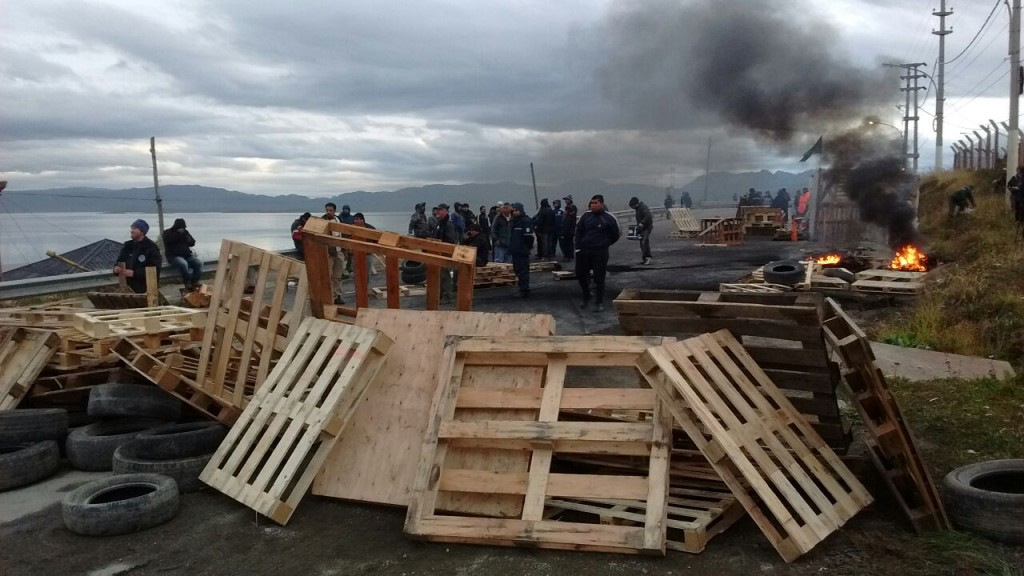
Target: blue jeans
190,267
502,255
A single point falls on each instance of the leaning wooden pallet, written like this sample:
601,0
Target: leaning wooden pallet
500,440
23,355
236,340
269,458
746,427
891,444
376,460
782,331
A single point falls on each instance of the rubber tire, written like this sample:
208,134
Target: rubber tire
185,471
413,277
24,464
131,514
33,425
182,440
995,515
840,273
92,447
133,400
785,272
414,267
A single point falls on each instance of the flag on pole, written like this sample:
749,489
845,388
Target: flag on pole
816,149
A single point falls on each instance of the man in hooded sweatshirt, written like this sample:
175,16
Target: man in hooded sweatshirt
138,254
418,223
178,243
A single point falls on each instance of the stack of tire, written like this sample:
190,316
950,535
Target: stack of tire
180,451
122,412
29,449
413,272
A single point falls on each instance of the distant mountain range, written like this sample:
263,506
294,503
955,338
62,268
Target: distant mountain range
193,198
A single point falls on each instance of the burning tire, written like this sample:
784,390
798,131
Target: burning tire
988,498
785,272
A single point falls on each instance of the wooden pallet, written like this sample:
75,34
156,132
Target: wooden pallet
23,355
745,427
375,461
381,293
886,281
68,390
167,376
46,316
249,323
563,274
782,331
684,221
721,231
754,288
137,321
892,446
493,443
828,283
269,458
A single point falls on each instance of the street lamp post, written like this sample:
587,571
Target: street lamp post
906,155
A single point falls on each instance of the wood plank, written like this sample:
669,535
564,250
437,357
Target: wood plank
377,459
23,355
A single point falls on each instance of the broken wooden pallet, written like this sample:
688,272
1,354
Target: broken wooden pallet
269,458
23,355
746,427
889,281
892,446
167,376
497,441
137,321
250,318
375,461
782,331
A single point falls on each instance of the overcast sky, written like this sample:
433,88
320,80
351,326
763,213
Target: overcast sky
318,98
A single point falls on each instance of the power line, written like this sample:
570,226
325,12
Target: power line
45,221
28,242
997,80
982,50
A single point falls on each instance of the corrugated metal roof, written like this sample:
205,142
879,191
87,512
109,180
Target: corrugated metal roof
100,255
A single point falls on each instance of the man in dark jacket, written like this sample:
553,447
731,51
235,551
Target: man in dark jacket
418,222
556,229
644,224
475,237
568,231
521,240
501,232
595,232
178,243
297,226
445,232
138,254
544,224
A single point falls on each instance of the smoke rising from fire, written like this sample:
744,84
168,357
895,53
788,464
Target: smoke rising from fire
769,70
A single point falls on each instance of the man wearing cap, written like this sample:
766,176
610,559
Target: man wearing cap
336,255
138,254
595,232
521,240
418,225
445,232
644,224
501,234
475,237
178,243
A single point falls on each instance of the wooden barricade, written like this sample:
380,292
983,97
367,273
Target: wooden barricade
269,458
490,444
761,217
23,355
782,331
375,461
891,444
747,429
721,231
319,234
250,321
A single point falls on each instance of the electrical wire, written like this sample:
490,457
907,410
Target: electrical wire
978,33
14,220
982,50
964,104
45,221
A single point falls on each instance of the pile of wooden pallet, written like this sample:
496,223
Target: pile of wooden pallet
721,231
495,274
873,281
761,220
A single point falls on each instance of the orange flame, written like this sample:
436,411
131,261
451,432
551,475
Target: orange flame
829,259
909,258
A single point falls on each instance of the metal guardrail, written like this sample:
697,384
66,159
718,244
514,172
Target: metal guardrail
83,282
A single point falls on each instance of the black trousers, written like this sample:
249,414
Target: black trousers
521,266
592,262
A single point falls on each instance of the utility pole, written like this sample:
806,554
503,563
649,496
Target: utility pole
1012,132
536,202
707,171
911,78
3,184
940,80
159,200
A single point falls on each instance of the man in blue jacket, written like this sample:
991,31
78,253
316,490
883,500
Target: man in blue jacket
596,231
520,243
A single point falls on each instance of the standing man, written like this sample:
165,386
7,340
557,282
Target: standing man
669,201
475,237
418,225
336,256
501,234
138,254
645,224
596,231
568,231
543,225
297,225
520,243
556,229
178,243
445,232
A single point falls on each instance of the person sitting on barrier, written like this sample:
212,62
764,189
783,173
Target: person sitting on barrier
179,243
138,254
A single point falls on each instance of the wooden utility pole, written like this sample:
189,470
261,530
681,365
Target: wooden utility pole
707,171
536,201
159,201
3,184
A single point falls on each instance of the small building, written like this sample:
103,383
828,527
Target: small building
100,255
